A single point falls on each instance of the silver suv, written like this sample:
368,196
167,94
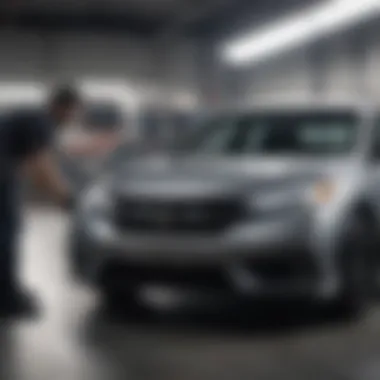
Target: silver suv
273,203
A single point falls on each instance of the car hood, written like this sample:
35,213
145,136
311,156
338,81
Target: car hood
179,176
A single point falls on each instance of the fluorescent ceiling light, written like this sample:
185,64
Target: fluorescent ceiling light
299,29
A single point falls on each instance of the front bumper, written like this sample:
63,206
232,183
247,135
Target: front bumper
266,259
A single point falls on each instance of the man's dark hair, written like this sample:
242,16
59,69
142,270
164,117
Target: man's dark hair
64,96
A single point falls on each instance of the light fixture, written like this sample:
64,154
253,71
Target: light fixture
21,93
298,29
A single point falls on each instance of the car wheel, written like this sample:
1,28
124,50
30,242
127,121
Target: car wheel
358,268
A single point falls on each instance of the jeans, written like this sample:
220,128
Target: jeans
9,234
8,258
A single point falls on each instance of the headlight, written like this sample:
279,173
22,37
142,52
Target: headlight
317,194
323,192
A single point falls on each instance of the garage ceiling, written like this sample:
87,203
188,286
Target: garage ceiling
142,7
138,16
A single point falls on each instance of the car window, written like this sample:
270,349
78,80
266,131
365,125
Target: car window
217,139
103,117
303,133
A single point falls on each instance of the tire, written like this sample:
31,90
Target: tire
358,268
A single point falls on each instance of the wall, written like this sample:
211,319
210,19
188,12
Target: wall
288,77
101,56
343,67
22,57
31,57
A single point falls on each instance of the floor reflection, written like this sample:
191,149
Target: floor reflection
78,339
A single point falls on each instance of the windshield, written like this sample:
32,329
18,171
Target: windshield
275,133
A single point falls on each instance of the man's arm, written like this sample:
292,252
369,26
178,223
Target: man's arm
92,145
45,173
30,143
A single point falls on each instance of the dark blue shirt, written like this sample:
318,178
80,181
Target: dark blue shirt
23,134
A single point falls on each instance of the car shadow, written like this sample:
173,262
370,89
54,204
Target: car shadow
240,320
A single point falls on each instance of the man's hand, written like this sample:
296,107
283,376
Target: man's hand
97,145
45,173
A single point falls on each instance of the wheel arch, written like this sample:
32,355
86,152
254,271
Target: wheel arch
366,211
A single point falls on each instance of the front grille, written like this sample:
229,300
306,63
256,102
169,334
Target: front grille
175,216
122,274
288,266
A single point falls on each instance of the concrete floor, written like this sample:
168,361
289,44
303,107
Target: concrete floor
74,339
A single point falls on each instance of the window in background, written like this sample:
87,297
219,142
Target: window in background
103,117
